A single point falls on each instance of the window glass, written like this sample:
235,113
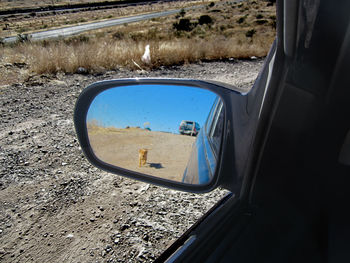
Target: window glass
211,116
217,127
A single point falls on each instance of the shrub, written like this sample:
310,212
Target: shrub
222,28
83,38
136,36
118,35
182,12
77,40
205,19
250,33
211,4
273,24
184,25
260,21
241,19
259,16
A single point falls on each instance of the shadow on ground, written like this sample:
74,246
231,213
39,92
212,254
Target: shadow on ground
156,165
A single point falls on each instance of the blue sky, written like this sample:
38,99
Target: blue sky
160,107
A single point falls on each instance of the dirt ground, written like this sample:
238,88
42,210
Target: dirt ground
167,155
56,207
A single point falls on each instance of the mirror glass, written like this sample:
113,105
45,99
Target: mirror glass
167,131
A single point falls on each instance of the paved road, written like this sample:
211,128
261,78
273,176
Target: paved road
73,30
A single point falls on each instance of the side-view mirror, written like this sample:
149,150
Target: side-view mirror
168,132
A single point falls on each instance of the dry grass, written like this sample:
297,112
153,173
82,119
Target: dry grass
97,56
121,46
94,128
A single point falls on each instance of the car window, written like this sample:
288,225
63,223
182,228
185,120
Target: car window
189,125
217,127
211,116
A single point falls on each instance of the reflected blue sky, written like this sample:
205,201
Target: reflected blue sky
159,107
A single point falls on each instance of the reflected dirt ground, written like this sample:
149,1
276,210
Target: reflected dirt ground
167,156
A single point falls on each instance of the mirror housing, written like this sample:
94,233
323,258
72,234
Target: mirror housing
223,91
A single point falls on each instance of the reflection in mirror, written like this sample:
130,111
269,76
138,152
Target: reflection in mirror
158,130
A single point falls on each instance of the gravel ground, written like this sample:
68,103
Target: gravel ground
56,207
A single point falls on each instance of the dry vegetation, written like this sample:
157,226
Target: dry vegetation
233,30
8,4
21,24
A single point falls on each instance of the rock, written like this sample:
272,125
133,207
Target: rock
58,83
108,248
20,64
82,70
125,226
146,237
